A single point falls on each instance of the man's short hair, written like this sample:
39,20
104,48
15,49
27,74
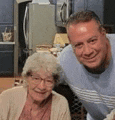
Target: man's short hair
82,16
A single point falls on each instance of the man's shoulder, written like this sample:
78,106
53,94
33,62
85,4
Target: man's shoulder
67,55
111,38
68,49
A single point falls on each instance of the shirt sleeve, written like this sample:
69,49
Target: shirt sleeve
62,74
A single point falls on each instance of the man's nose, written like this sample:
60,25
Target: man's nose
87,50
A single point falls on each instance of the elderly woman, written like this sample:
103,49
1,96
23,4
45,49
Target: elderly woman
36,100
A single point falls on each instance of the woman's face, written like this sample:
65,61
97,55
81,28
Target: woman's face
40,85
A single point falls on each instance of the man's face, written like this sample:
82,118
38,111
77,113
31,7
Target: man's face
89,44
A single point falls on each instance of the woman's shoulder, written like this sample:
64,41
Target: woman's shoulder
14,90
14,95
60,105
58,97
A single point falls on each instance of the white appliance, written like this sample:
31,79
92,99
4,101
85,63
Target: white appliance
39,25
63,10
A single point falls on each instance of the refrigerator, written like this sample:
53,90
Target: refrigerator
39,25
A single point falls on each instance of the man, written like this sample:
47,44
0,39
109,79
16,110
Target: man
89,64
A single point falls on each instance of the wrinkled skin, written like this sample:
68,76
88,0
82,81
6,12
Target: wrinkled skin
39,92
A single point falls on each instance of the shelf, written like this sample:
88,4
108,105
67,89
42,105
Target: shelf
7,43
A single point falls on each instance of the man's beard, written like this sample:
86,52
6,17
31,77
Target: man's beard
101,68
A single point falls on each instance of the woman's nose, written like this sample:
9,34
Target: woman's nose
41,85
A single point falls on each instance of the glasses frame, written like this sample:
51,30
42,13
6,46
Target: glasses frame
37,81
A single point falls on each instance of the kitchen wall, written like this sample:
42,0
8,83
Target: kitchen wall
6,15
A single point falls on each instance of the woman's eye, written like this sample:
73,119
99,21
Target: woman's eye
49,81
36,78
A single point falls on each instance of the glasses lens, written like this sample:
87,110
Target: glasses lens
49,82
37,80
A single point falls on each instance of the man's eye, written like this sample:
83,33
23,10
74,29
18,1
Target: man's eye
78,45
93,41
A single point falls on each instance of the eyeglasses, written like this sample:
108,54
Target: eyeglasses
37,80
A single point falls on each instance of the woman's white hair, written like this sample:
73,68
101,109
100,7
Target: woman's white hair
42,60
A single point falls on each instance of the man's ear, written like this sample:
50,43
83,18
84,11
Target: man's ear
69,39
103,31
